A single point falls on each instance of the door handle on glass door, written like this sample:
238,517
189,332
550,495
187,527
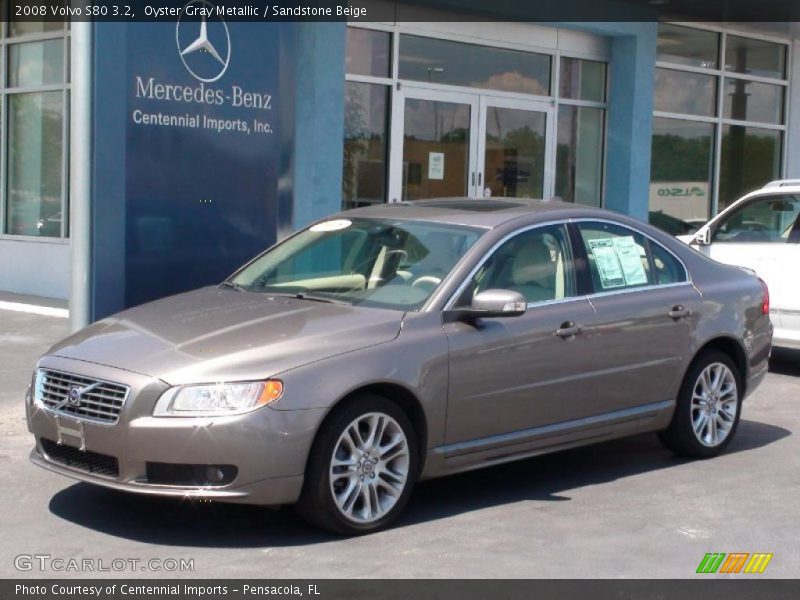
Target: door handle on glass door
568,329
678,312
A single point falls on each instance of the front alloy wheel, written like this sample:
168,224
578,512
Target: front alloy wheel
362,467
369,467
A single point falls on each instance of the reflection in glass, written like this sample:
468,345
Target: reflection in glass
368,52
750,158
365,127
683,92
770,220
755,57
515,146
34,164
36,63
435,149
753,101
579,157
471,65
582,80
680,174
687,46
16,28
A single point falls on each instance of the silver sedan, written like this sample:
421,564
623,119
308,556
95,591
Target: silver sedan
394,343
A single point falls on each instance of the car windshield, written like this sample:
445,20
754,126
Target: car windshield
373,262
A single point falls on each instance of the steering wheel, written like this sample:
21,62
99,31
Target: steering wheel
431,280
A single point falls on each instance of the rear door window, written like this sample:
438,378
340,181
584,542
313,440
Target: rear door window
618,257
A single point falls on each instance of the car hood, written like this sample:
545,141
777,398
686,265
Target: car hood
221,334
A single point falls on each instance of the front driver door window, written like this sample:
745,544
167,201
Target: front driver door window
764,235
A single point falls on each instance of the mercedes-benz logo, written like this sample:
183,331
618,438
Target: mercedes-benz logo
207,53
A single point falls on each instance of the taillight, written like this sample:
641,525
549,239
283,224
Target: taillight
765,300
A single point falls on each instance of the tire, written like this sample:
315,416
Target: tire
707,405
371,492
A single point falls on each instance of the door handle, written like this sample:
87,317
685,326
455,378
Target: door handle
473,178
568,329
678,312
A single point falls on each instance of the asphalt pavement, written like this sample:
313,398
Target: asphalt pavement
626,508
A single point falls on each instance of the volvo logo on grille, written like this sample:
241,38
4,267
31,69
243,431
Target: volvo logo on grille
74,395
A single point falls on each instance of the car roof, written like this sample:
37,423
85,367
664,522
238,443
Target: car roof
486,213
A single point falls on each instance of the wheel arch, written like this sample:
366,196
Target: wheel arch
400,395
729,346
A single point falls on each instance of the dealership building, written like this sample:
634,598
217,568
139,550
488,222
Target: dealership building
141,159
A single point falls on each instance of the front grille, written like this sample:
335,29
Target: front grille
101,401
83,460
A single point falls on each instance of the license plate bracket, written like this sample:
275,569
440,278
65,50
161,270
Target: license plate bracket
69,431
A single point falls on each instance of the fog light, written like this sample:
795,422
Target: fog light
214,474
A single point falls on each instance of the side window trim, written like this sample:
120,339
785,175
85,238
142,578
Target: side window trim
580,260
566,224
575,231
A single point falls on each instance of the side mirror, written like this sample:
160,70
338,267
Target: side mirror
703,237
490,304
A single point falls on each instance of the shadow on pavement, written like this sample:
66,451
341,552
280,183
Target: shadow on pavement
785,362
196,524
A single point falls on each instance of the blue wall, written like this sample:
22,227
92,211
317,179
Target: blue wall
630,113
319,121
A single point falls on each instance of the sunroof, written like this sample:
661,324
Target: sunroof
471,205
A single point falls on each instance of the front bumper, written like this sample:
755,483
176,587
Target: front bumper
268,448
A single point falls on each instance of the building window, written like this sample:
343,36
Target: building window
470,119
719,123
365,144
34,103
366,116
470,65
581,130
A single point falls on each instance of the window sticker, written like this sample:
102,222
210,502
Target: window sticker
630,260
607,263
618,262
334,225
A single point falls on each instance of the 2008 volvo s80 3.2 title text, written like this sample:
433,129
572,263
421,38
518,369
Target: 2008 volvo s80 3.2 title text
412,340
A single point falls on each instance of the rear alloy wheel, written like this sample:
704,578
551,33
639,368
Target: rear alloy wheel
361,468
708,408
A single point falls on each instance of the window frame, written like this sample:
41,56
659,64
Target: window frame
556,54
64,34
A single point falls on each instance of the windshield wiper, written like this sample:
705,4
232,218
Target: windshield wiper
304,296
233,286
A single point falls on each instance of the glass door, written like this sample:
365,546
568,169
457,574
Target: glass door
463,144
515,149
436,145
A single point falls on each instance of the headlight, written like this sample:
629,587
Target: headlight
217,399
37,387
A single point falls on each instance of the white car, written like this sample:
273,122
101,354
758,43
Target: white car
761,231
